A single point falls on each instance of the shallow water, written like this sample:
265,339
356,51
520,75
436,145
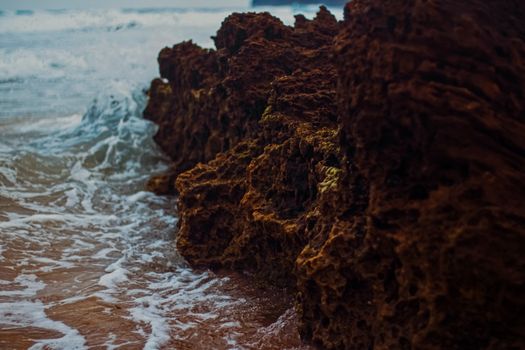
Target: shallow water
87,257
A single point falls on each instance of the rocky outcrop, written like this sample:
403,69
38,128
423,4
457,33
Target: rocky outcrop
432,120
214,99
375,166
271,98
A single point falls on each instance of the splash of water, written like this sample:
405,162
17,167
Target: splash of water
82,243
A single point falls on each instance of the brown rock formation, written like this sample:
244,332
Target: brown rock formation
214,99
380,174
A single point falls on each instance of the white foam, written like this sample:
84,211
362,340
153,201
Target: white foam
184,326
111,343
232,324
44,125
30,282
32,314
72,220
105,297
81,244
138,196
24,63
150,312
72,300
72,198
55,264
107,20
112,279
103,253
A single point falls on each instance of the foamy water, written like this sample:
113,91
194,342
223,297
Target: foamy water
87,257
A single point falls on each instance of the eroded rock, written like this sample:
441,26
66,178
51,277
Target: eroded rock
375,167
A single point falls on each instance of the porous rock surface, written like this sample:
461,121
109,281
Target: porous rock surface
375,166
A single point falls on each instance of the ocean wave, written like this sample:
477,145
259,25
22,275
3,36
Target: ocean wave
109,20
132,18
21,63
24,12
59,193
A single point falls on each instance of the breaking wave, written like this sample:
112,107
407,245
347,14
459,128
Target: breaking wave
75,212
